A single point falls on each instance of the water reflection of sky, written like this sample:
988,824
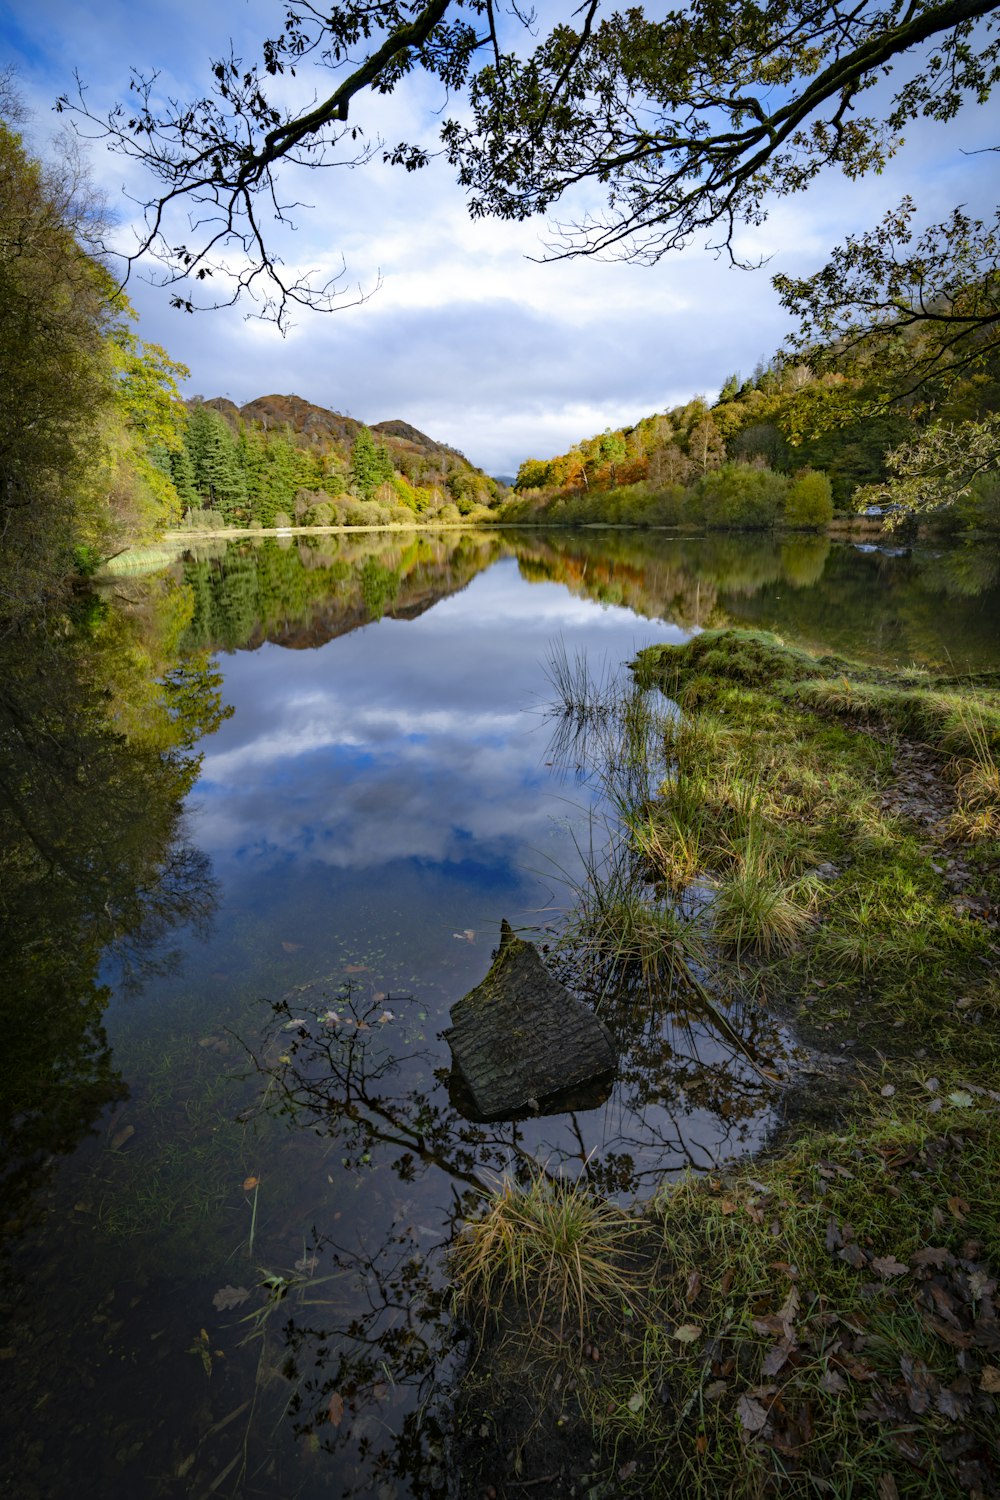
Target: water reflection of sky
384,797
407,740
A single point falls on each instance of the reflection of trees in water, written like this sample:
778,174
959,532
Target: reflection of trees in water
325,587
245,592
930,606
677,579
380,1334
94,863
833,597
382,1339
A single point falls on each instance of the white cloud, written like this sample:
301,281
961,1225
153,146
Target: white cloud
468,338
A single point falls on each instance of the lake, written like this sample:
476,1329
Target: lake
234,1157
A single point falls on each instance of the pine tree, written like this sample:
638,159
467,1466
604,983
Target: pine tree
218,476
371,465
182,473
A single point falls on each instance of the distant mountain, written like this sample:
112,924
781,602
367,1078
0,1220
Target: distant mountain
321,427
286,457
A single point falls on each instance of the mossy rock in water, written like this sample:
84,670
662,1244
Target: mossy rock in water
520,1037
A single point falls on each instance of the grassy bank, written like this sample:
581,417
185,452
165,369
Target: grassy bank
821,1321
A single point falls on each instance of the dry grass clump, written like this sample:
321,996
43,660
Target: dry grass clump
672,845
553,1247
756,908
977,782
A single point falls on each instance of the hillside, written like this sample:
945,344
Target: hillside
279,460
784,448
321,427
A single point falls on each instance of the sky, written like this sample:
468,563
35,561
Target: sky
460,332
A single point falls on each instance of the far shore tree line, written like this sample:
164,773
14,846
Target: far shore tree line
785,448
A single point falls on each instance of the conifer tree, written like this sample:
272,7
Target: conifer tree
218,477
182,473
370,464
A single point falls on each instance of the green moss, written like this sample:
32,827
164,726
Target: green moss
784,760
792,1340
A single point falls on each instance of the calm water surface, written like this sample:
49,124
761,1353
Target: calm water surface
228,1212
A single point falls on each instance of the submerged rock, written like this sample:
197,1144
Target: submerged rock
520,1037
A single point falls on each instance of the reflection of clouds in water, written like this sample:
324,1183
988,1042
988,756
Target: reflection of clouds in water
423,802
406,739
324,722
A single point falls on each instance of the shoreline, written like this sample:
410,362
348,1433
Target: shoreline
782,1317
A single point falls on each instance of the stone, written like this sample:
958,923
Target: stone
519,1038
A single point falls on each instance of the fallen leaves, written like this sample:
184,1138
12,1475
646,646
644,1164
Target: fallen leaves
335,1409
249,1183
932,1255
228,1297
888,1265
918,1383
778,1356
687,1333
752,1416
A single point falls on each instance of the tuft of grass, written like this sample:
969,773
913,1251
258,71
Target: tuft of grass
672,846
977,782
757,909
553,1247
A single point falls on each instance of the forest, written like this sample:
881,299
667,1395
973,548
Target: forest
785,448
281,461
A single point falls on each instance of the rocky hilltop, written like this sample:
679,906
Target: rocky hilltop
321,427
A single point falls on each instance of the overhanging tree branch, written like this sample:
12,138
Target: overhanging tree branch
691,123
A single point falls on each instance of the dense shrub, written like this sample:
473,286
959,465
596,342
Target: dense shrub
741,496
365,513
198,519
809,502
401,515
